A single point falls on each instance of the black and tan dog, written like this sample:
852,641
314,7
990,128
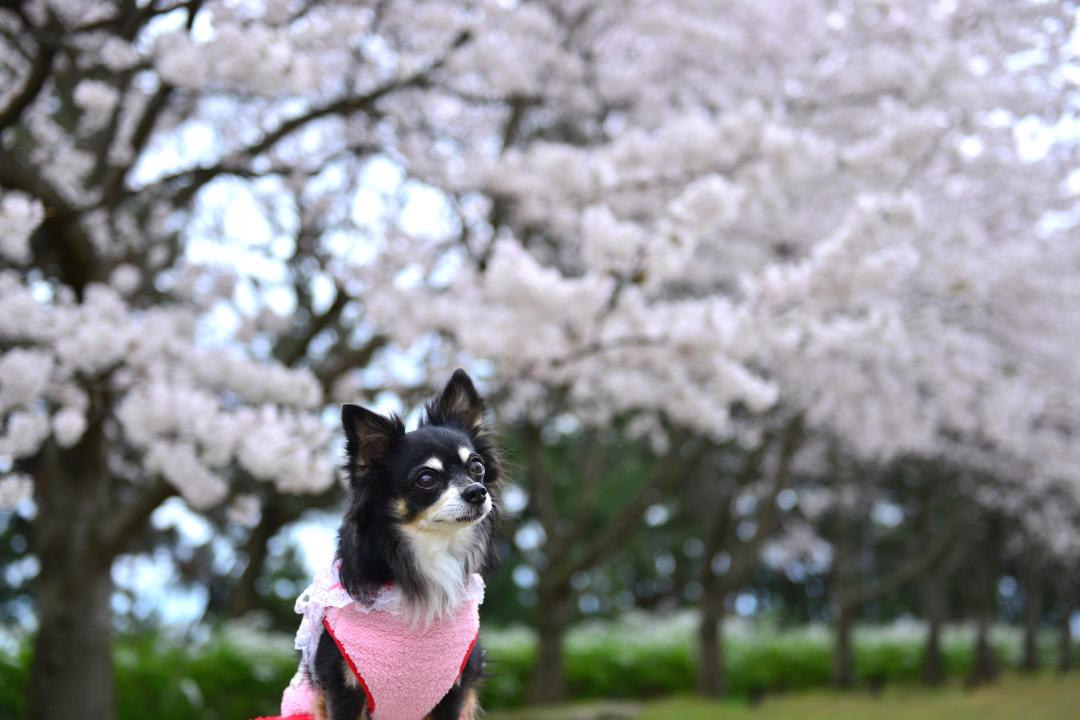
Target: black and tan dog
421,511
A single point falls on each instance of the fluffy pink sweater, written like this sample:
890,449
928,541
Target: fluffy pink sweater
404,667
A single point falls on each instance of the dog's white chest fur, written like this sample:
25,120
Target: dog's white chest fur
445,558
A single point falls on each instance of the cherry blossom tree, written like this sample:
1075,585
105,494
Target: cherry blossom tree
175,228
684,219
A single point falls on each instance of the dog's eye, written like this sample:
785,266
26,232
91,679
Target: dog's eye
476,469
425,480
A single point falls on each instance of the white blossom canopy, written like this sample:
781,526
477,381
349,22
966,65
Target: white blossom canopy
858,212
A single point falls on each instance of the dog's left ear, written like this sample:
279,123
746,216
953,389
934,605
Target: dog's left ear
368,435
459,404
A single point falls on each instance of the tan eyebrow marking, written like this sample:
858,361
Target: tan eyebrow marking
464,453
434,463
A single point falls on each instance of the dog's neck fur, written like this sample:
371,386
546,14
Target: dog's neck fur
443,559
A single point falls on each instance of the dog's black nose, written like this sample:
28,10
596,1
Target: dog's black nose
474,494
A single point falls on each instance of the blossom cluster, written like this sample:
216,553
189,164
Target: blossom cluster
195,415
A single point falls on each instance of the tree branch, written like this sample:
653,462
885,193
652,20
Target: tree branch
127,520
114,181
60,238
718,525
590,479
744,562
35,81
626,522
199,177
913,568
278,511
290,349
341,359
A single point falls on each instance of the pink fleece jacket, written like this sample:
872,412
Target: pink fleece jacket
404,667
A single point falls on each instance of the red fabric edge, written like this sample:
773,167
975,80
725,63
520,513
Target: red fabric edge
468,654
352,666
286,717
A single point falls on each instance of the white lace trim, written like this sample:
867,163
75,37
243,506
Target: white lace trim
326,591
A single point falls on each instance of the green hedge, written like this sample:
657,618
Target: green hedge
239,672
14,669
643,656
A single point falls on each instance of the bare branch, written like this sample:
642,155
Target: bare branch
35,81
60,237
114,181
628,519
289,349
127,520
745,560
340,359
913,568
717,527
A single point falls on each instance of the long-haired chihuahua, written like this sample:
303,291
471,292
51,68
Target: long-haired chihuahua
389,633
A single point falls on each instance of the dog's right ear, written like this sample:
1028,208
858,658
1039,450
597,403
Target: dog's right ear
368,436
458,404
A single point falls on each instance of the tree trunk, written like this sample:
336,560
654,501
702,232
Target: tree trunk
712,679
843,675
983,660
934,610
984,587
548,683
1033,602
72,673
1066,651
845,583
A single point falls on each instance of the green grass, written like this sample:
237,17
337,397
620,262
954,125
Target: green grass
1041,698
1045,697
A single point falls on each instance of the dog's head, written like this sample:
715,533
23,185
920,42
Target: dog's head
421,503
